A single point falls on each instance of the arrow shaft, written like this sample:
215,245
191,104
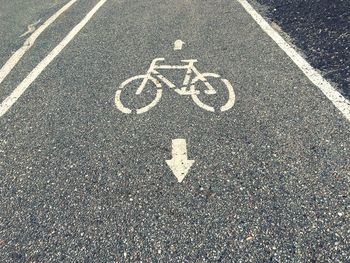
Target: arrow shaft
179,148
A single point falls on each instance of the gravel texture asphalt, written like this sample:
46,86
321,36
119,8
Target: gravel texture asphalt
321,29
81,181
16,16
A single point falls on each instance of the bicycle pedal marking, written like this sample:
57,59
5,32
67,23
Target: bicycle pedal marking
184,91
188,87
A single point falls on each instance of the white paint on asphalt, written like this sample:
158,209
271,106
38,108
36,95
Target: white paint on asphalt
31,28
15,58
179,164
178,44
188,88
331,93
21,88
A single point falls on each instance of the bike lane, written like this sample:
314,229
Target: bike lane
81,180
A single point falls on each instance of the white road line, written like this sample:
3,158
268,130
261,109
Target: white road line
331,93
31,28
21,88
13,60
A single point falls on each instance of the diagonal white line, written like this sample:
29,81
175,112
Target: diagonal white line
21,88
15,58
331,93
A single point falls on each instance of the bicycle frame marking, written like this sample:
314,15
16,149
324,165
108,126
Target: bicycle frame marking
181,91
187,89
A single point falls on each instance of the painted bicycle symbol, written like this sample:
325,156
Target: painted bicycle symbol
191,80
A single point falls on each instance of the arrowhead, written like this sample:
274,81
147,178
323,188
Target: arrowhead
180,167
178,44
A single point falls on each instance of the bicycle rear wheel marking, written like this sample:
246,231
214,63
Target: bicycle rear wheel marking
119,104
144,109
152,104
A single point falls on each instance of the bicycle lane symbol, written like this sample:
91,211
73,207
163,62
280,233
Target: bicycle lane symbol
192,78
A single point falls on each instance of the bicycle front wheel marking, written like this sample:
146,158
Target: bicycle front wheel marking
201,104
231,94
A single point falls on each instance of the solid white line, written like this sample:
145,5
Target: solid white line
21,88
13,60
331,93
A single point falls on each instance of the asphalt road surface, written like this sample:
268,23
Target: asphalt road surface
320,28
84,180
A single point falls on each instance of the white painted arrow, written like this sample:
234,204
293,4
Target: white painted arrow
179,164
178,44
